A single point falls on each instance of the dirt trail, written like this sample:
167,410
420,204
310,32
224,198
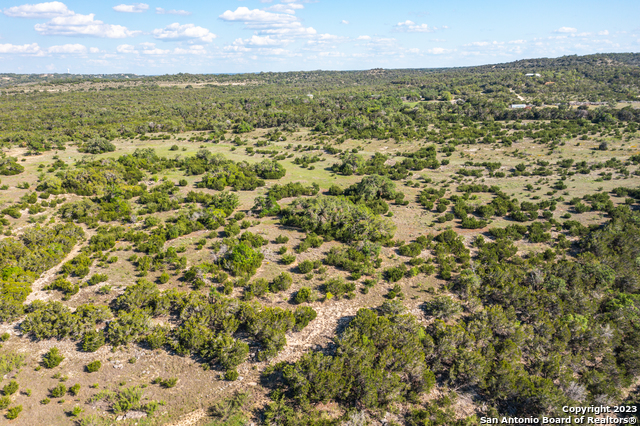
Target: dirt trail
47,276
518,96
319,332
190,419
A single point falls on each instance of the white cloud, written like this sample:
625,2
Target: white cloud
412,27
29,49
478,43
364,37
161,11
438,51
68,48
83,25
345,22
192,50
40,10
286,8
268,23
94,50
155,51
255,16
484,43
603,33
332,54
131,8
176,32
258,41
326,39
126,48
566,30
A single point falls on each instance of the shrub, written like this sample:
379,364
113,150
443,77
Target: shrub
158,337
411,249
98,278
338,218
231,375
53,358
164,278
59,391
282,282
338,287
281,239
243,260
97,146
92,341
311,240
396,273
9,166
443,307
168,383
10,388
288,259
304,315
14,412
75,389
77,410
305,266
258,287
5,401
305,294
94,366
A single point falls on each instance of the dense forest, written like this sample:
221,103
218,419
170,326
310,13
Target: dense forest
382,247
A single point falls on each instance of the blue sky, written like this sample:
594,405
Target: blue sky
167,37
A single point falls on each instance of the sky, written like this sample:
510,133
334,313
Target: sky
236,36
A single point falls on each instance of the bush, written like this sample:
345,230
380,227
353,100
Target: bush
305,294
53,358
92,341
288,259
411,249
14,412
97,146
5,401
158,337
281,239
258,288
231,375
396,273
75,389
9,166
338,287
94,366
304,315
77,410
59,391
164,278
243,260
443,307
98,278
10,388
337,217
168,383
282,282
305,266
